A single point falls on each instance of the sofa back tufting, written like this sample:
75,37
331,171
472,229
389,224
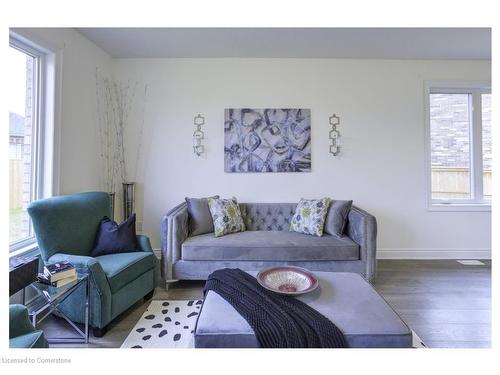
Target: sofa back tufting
267,216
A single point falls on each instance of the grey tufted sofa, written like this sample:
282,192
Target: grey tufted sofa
267,242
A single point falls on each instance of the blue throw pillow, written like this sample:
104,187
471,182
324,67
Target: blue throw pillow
113,238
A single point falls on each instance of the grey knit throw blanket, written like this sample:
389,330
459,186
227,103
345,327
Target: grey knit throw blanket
278,321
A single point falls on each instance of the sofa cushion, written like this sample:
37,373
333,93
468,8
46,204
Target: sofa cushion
336,219
226,216
114,238
121,269
200,219
269,246
310,216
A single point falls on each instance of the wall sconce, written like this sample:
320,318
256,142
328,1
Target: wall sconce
198,135
334,135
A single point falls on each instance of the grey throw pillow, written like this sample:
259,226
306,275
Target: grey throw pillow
200,219
336,219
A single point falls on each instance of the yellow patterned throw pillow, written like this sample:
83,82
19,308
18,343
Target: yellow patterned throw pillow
226,216
310,216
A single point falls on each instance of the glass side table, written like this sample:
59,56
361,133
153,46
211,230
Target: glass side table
47,299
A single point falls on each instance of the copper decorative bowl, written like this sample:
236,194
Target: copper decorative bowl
287,280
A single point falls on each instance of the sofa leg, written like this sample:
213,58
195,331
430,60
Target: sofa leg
149,295
99,332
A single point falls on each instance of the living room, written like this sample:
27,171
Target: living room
249,187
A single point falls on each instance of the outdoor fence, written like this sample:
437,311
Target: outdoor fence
454,183
15,184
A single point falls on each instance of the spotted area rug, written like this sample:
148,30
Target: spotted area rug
170,324
165,324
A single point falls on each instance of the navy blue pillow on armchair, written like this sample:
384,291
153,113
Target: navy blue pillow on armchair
113,238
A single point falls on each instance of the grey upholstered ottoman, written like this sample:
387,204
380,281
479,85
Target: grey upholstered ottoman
345,298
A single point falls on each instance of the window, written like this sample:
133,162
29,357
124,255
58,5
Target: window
459,144
486,138
24,102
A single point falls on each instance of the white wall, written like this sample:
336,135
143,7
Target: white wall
381,166
79,141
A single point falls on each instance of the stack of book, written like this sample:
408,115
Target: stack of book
58,274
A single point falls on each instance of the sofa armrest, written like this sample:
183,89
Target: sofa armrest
362,229
19,323
84,264
174,231
100,291
144,243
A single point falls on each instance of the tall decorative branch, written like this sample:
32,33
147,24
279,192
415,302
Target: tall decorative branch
115,101
141,132
107,144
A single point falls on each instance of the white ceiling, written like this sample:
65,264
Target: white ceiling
380,43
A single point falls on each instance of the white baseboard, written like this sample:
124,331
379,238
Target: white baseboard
433,253
421,253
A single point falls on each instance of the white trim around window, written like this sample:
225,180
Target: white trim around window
47,111
476,201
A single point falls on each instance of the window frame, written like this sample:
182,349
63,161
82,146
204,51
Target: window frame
475,89
36,146
48,112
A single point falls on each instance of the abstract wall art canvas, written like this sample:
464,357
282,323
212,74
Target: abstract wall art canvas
267,140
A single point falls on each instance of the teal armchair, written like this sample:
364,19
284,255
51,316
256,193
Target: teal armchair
22,334
65,228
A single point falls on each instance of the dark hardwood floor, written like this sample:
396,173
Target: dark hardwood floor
446,303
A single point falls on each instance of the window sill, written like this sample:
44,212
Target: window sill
459,207
31,249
